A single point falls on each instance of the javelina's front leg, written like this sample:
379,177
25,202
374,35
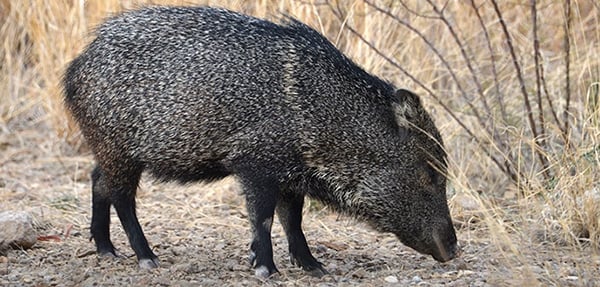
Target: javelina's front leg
289,211
261,198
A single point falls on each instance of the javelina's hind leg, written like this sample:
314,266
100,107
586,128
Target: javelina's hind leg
261,198
289,211
100,227
123,199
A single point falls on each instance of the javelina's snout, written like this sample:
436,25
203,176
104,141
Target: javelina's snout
445,245
438,239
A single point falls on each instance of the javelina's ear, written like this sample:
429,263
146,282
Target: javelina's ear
407,106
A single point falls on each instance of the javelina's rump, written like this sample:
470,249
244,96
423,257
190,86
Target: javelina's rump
193,94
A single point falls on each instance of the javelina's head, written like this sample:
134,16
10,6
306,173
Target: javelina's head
408,197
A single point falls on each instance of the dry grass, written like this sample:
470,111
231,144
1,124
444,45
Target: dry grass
468,80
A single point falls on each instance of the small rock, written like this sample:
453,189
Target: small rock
12,277
359,273
416,279
461,264
179,250
572,278
391,279
17,230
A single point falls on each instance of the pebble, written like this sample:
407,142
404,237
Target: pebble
572,278
391,279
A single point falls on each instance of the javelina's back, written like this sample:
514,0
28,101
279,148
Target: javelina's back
219,77
200,93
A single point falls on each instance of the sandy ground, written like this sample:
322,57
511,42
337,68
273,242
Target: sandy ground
201,235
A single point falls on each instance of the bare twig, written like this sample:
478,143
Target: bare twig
461,46
498,96
567,31
536,59
553,110
538,88
414,12
532,125
511,48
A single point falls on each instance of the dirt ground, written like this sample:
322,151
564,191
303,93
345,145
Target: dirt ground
201,235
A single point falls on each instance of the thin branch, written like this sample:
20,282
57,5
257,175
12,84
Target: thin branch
528,108
538,89
511,49
461,46
414,12
536,58
486,34
553,110
567,31
498,95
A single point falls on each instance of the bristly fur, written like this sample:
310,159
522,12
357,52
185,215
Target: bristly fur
201,93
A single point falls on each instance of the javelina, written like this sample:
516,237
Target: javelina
197,94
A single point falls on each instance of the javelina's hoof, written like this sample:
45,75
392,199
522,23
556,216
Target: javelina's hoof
108,254
105,249
149,263
111,254
309,264
261,272
264,272
252,258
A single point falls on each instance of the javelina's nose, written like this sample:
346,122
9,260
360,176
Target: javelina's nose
447,249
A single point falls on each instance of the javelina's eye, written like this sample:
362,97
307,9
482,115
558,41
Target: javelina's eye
432,173
427,174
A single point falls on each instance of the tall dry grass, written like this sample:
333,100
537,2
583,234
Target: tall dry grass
513,86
